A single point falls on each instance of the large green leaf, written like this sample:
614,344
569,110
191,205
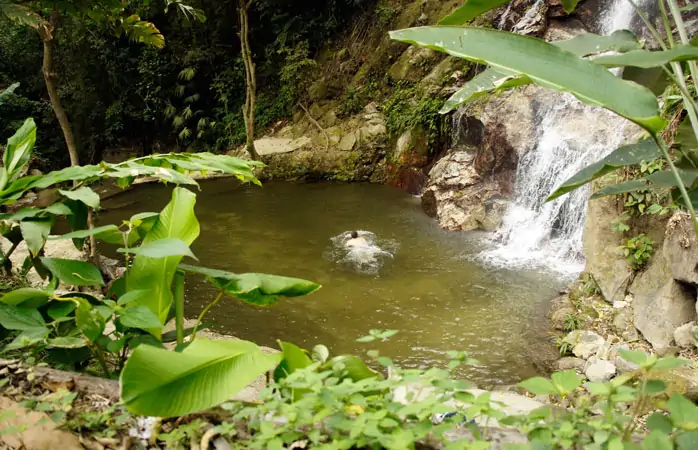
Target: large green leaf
254,288
499,80
161,248
569,5
83,194
590,44
19,318
28,338
178,221
647,59
161,383
26,297
352,367
17,153
655,79
546,65
106,230
77,273
35,233
470,10
294,358
626,155
658,180
7,92
139,317
483,83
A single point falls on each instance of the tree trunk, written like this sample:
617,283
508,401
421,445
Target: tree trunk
46,31
250,77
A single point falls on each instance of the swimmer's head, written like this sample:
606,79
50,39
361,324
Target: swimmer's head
354,234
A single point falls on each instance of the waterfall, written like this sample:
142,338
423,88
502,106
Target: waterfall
571,136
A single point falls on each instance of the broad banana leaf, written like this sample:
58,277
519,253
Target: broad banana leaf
627,155
546,65
161,383
178,221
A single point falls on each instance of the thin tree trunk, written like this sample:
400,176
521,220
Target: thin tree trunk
46,30
250,78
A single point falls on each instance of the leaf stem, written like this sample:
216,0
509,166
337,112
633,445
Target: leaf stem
648,24
689,205
102,362
178,291
203,313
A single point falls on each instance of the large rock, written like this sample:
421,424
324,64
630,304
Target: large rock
680,248
623,324
599,370
570,363
585,343
685,335
658,313
604,261
33,430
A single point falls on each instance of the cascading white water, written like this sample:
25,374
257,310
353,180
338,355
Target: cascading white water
570,137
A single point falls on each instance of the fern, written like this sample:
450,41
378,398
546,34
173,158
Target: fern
203,122
141,31
187,73
180,89
192,98
185,133
177,122
187,113
189,12
170,110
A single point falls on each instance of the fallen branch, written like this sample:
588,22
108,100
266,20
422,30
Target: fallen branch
327,137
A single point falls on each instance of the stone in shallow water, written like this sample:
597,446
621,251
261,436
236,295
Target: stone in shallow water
586,343
569,363
599,370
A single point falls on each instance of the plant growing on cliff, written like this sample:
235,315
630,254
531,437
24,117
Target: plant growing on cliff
519,60
638,251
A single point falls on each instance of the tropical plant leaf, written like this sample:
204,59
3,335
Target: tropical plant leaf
470,10
178,221
294,358
17,153
352,367
189,12
67,342
139,317
60,309
19,318
28,338
105,230
26,297
546,65
161,383
9,90
647,59
132,296
590,44
143,32
77,273
658,180
655,79
83,194
161,248
569,5
499,80
626,155
35,232
254,288
89,320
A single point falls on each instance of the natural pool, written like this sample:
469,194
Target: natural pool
430,291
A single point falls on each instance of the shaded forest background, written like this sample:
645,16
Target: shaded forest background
187,95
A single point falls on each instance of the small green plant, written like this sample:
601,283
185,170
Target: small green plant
386,12
589,286
563,346
638,251
571,322
410,108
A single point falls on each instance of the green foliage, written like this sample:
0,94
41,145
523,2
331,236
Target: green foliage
386,12
638,251
571,322
407,108
157,382
563,346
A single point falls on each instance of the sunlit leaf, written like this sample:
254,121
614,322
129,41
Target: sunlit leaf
162,383
77,273
83,194
647,59
26,297
545,64
470,10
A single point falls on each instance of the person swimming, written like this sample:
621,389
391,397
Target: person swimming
357,241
